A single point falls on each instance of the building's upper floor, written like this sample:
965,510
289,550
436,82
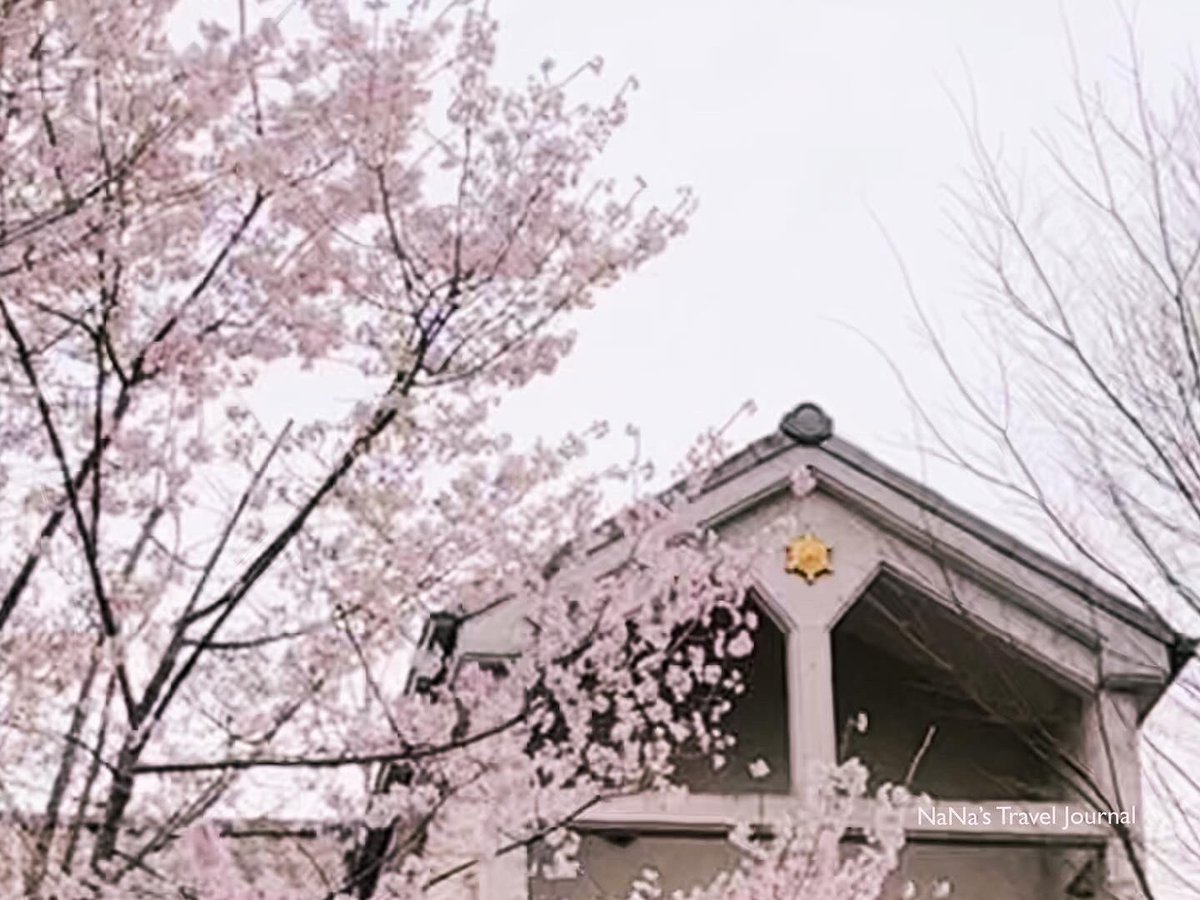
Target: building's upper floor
900,629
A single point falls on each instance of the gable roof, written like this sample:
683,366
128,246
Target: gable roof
1025,575
809,425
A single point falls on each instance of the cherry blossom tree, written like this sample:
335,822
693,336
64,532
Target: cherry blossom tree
200,592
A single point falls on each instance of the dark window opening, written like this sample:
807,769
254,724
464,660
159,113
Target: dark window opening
921,690
758,721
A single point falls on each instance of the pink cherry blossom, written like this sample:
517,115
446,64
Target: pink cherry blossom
211,591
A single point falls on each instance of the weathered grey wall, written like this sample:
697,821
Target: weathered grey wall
975,872
991,872
683,862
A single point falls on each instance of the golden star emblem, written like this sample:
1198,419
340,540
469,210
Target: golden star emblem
808,556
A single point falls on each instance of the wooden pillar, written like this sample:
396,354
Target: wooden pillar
1110,754
812,731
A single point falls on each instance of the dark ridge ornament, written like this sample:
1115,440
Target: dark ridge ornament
807,424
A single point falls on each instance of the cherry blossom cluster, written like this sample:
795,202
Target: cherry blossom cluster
211,590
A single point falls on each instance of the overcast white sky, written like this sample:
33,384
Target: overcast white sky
794,121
